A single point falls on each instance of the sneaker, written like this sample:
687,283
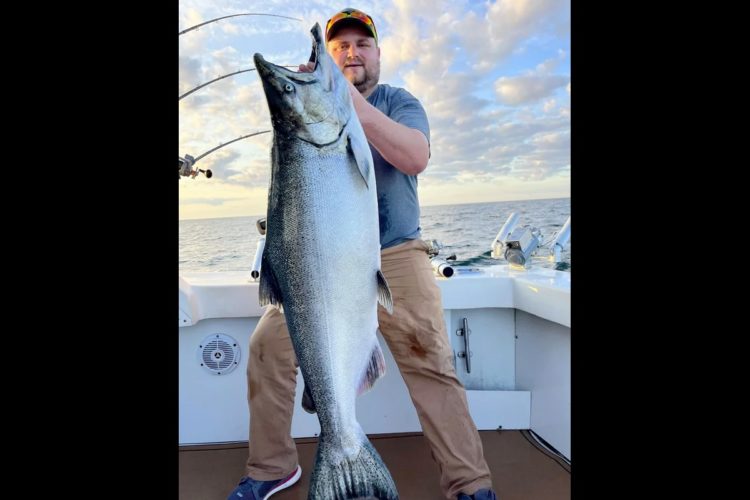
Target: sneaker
483,494
250,489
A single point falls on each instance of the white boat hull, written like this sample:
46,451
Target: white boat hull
520,364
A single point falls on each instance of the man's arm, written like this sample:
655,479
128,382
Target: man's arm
403,147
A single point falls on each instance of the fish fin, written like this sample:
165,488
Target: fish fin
307,402
362,156
384,293
268,290
375,370
360,473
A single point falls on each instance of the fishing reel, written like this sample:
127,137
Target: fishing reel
439,265
186,168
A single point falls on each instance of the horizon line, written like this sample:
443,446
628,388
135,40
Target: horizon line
420,206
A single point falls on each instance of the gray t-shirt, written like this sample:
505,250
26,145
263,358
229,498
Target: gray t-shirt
398,204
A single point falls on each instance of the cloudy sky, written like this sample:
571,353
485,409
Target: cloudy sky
493,76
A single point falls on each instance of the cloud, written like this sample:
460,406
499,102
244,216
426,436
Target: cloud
528,88
493,78
507,26
473,129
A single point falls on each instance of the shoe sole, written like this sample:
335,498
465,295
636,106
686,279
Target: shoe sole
286,484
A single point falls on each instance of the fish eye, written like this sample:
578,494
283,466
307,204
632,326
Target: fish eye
288,87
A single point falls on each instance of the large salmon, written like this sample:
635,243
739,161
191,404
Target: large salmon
321,263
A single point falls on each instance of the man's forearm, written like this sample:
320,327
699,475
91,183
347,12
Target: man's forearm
403,147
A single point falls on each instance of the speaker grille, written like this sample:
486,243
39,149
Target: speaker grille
219,353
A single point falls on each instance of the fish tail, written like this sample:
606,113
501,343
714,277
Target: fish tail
364,475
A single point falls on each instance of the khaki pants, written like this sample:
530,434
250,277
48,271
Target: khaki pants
416,336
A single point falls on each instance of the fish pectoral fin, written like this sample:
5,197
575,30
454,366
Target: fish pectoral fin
362,156
375,369
384,293
307,401
268,290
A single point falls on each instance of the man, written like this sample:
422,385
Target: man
396,128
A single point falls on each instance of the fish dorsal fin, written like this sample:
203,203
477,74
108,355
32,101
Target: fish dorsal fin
374,370
362,155
268,290
384,293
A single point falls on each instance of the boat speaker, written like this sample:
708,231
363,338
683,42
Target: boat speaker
219,354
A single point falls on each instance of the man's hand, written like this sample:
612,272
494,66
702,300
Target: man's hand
360,103
308,67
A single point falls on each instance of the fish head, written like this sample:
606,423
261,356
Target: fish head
312,106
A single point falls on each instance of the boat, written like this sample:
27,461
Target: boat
509,326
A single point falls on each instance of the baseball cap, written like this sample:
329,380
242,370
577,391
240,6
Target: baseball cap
350,16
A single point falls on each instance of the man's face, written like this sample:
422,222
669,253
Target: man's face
355,52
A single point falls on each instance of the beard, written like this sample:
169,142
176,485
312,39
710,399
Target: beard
367,79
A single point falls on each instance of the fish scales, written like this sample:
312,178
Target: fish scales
321,264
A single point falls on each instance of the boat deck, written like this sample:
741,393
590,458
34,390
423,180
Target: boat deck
521,468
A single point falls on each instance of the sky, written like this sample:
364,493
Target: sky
493,77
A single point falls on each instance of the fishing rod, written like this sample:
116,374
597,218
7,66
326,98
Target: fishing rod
224,76
187,162
233,15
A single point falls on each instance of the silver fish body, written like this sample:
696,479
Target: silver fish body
321,263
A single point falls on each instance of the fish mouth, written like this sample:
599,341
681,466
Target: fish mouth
316,42
266,68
